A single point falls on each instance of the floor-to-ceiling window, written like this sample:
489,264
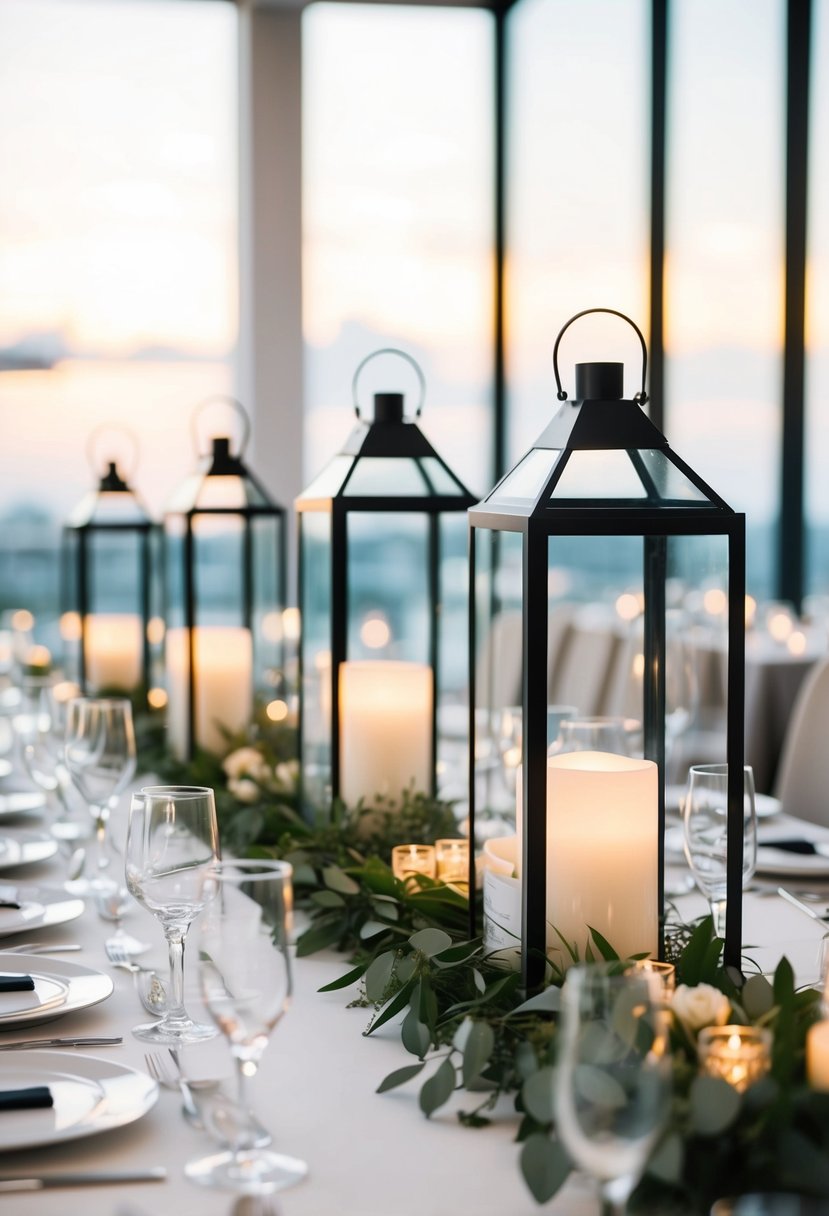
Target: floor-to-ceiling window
118,295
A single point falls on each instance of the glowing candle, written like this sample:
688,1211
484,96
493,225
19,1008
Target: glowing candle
453,862
223,662
409,859
385,729
113,651
740,1055
817,1056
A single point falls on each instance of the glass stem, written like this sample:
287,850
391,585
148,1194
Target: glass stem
245,1072
100,815
718,914
175,946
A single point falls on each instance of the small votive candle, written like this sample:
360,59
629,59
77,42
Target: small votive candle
453,862
817,1056
665,971
740,1055
409,859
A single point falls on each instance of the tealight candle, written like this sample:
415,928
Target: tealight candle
409,859
452,858
740,1055
817,1056
665,971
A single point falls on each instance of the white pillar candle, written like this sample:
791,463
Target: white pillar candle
223,661
817,1056
602,849
385,729
113,650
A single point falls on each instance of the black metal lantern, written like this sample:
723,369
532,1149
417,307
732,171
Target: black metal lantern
107,585
591,831
224,564
384,626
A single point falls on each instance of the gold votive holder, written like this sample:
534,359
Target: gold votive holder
453,862
741,1055
407,859
665,972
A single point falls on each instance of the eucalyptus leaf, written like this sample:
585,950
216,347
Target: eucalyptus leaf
544,1166
304,876
399,1077
537,1094
337,880
327,899
322,934
392,1008
599,1087
430,941
757,996
438,1089
477,1050
456,954
414,1035
526,1061
381,905
548,1001
371,928
714,1105
406,968
603,945
666,1163
345,981
480,982
378,976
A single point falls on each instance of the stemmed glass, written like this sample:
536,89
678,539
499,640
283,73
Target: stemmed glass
40,729
171,863
613,1077
245,979
705,821
99,754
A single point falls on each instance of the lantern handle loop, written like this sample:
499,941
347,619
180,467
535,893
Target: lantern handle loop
95,435
390,350
224,399
641,397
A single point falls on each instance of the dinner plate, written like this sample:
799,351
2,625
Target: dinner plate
21,848
90,1095
85,987
764,804
41,906
49,993
21,802
791,865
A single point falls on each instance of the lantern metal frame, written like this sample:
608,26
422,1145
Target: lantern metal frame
221,462
83,527
598,420
389,435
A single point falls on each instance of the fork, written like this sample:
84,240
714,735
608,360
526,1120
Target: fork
119,957
168,1074
42,948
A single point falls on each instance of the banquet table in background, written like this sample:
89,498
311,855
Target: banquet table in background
369,1155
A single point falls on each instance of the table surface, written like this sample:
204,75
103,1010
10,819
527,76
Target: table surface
368,1155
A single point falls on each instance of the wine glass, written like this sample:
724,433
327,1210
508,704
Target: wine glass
99,754
40,730
172,854
705,822
245,979
613,1076
598,734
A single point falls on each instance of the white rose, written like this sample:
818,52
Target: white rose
246,762
700,1006
285,776
243,789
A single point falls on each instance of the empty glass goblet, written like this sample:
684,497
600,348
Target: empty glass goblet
613,1076
171,862
705,824
100,757
245,979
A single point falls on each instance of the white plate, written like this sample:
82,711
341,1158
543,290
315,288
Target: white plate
86,987
21,802
792,865
90,1096
22,848
49,994
764,804
56,908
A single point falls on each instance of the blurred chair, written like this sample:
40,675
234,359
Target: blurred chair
500,658
588,656
803,776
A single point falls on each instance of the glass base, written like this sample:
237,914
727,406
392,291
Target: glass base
250,1172
174,1034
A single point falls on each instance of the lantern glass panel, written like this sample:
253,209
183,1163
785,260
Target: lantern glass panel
599,474
384,476
388,585
266,600
218,555
174,568
317,600
329,482
522,486
670,482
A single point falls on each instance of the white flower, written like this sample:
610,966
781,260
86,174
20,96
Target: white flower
243,789
285,776
700,1006
246,762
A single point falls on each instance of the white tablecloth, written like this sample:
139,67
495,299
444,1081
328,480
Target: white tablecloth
369,1155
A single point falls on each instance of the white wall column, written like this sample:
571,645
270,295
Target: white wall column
270,261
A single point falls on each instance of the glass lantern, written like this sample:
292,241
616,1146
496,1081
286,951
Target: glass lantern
589,547
224,565
383,653
107,587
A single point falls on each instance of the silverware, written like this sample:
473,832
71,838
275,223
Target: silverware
99,1178
42,948
820,917
89,1041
